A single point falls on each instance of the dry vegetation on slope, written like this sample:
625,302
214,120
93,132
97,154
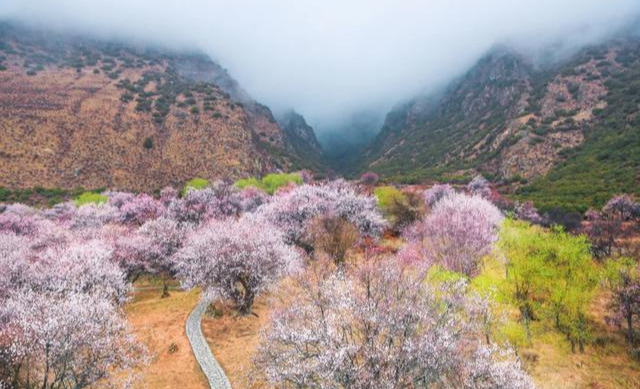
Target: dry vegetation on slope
82,113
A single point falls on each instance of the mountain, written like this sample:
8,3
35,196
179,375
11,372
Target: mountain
565,135
345,141
77,111
301,142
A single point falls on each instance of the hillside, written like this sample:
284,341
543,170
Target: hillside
301,142
83,112
565,135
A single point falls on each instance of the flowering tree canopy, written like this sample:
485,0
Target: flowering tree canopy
623,277
369,178
479,186
235,260
528,212
57,340
622,207
458,232
61,324
436,193
381,326
292,212
199,205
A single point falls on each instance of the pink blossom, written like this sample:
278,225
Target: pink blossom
292,212
458,232
527,211
622,207
479,186
251,198
52,339
380,326
235,260
140,209
18,218
369,178
437,192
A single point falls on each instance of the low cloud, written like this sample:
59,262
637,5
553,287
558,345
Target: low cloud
330,58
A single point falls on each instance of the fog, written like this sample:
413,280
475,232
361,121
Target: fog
328,59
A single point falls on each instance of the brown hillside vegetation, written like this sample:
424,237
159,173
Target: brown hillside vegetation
96,115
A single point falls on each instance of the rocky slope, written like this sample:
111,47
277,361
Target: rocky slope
518,122
82,112
301,142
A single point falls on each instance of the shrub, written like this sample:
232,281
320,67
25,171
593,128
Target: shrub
249,182
148,143
90,198
271,182
196,183
399,208
387,195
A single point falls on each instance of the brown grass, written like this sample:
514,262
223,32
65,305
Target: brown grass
234,339
603,367
159,323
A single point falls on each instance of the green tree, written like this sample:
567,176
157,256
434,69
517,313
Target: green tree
271,182
196,183
90,197
401,209
550,276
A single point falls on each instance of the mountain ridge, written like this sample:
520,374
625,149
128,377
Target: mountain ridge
87,112
515,122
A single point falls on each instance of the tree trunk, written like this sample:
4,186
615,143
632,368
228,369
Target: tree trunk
573,346
630,327
248,295
165,290
581,346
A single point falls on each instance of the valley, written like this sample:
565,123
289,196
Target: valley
484,234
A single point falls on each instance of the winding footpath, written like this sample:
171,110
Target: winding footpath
211,368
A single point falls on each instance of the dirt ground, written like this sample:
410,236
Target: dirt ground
234,339
159,324
606,364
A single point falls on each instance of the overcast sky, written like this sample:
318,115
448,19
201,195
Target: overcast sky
329,58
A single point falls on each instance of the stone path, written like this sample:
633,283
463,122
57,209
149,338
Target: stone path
208,364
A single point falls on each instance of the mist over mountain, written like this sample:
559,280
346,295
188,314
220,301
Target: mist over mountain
331,59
